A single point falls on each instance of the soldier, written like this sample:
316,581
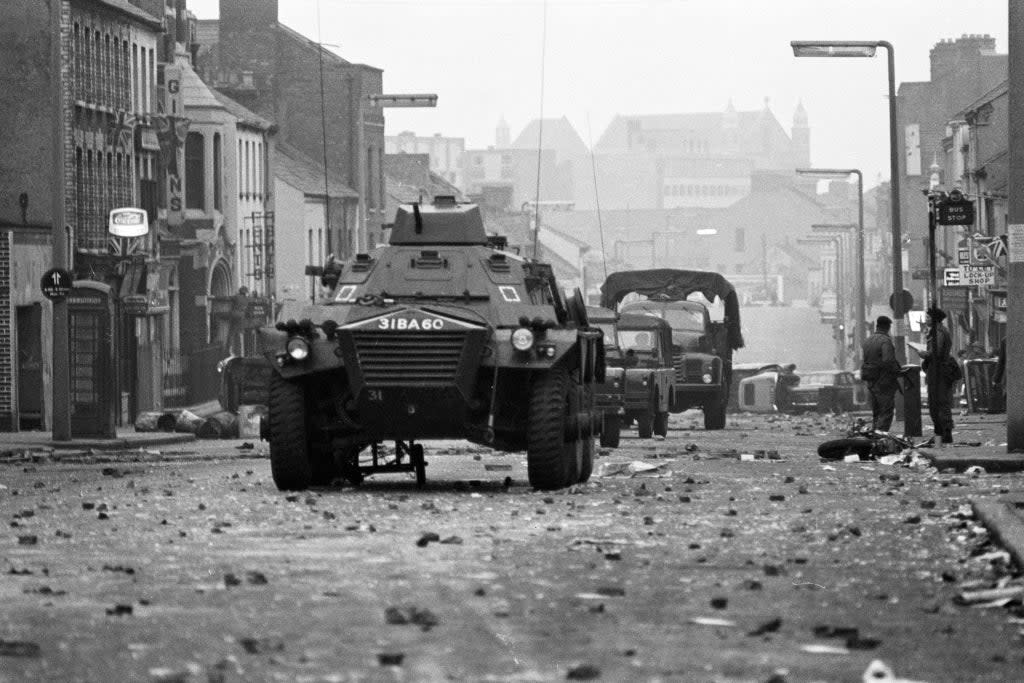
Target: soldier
881,371
941,373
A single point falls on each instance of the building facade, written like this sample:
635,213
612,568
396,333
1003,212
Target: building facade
277,73
445,153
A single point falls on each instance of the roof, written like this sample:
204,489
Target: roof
197,93
131,10
408,175
559,135
307,174
244,115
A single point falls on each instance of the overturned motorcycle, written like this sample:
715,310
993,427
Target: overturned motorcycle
863,440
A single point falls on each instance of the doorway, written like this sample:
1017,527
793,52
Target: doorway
30,366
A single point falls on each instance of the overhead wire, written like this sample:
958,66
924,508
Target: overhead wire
540,132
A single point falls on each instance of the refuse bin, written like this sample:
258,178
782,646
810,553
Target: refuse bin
910,399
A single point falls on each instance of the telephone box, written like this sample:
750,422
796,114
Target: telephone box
93,383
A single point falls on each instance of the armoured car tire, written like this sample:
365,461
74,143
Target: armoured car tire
645,425
289,449
837,449
661,423
714,414
611,432
548,453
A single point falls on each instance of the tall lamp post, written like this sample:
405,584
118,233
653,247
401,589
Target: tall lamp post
867,48
838,174
379,100
841,230
835,241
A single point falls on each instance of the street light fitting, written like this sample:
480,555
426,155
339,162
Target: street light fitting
833,227
414,100
707,231
835,48
827,173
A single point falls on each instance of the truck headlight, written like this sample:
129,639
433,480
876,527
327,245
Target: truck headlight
522,339
297,348
707,378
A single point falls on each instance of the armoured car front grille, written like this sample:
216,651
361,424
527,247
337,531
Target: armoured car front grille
401,359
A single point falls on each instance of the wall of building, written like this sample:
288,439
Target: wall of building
26,137
291,252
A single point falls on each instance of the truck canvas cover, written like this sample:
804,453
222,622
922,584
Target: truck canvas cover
672,284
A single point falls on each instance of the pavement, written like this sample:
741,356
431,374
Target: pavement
124,439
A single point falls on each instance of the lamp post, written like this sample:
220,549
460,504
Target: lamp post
866,48
841,230
835,241
379,100
841,173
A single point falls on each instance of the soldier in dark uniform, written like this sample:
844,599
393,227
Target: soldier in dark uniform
941,373
881,371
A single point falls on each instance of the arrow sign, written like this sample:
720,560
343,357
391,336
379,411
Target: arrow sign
56,283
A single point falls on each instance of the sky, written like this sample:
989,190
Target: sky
590,60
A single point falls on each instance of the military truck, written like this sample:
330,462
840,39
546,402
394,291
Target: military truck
609,394
702,349
646,344
438,335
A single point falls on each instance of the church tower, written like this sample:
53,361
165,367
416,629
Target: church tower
801,137
502,139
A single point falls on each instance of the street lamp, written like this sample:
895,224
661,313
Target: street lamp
842,173
866,48
379,100
835,241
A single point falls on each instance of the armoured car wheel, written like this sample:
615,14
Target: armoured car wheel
611,432
661,423
547,444
837,449
289,449
645,425
714,413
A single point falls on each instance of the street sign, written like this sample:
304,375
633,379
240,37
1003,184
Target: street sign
56,283
906,300
968,276
128,222
963,257
955,210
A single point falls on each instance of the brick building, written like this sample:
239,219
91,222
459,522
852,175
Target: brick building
276,72
935,132
77,88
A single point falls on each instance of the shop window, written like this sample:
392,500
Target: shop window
195,176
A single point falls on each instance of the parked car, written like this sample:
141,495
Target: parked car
828,391
650,378
609,394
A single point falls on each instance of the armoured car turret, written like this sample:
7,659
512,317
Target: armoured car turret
440,334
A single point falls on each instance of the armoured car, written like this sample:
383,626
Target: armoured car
439,334
702,349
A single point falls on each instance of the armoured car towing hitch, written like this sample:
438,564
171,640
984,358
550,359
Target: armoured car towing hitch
379,463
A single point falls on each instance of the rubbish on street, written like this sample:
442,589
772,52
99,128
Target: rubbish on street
989,595
817,649
880,672
628,469
712,621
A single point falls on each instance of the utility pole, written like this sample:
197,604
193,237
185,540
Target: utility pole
1015,231
61,351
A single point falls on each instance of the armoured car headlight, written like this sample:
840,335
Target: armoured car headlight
707,378
522,339
297,348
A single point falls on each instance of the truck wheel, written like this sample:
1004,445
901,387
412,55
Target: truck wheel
714,413
289,450
661,423
645,425
587,465
612,431
548,452
419,464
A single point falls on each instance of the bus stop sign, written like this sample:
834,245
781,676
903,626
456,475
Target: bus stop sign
56,283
